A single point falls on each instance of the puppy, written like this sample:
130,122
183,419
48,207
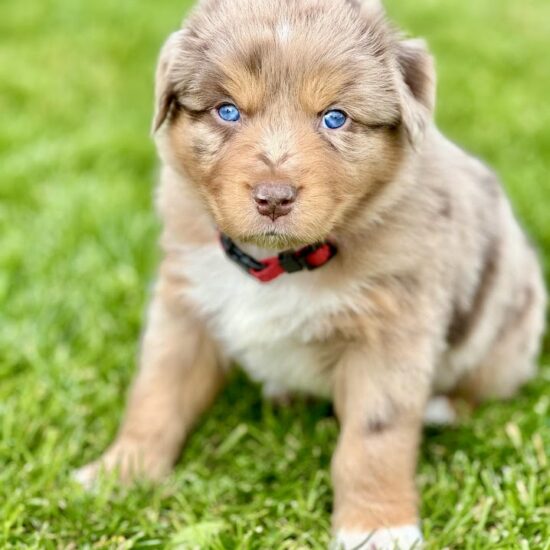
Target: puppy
320,232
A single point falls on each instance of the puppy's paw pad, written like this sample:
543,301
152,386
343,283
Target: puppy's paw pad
406,537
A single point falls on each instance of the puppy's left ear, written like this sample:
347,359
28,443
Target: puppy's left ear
417,83
164,84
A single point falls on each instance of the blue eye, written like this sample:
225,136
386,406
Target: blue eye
334,119
229,112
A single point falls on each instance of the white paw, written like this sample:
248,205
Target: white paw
439,412
127,462
406,537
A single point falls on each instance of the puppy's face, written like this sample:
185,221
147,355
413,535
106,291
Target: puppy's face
289,117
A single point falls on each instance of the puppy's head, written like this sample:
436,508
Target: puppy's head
290,116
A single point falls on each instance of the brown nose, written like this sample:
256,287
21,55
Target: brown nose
274,199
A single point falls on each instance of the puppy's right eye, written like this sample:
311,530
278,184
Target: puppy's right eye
229,112
334,119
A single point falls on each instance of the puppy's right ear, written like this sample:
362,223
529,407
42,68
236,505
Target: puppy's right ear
164,84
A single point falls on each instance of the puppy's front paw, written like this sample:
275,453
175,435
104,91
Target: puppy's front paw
130,461
406,537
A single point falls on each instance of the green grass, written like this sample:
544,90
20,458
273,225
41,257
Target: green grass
77,236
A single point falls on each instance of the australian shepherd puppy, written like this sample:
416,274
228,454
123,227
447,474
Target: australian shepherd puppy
320,232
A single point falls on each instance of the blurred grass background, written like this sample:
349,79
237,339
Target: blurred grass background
77,253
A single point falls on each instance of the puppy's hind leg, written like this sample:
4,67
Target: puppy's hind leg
179,376
440,411
512,358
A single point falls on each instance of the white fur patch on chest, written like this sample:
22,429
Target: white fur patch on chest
279,331
284,31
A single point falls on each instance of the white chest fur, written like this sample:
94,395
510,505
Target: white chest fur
278,332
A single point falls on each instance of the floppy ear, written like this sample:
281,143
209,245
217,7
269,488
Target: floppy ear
164,85
416,87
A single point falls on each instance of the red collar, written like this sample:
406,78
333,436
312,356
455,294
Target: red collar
310,257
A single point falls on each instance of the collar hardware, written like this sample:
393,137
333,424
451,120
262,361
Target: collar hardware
290,261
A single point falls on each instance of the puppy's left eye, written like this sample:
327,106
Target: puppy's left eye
334,119
229,112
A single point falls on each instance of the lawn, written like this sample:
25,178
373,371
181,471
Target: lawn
77,256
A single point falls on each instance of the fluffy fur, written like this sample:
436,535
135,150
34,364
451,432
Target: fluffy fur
435,289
